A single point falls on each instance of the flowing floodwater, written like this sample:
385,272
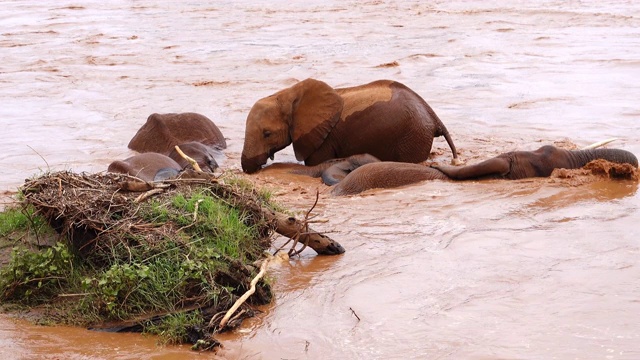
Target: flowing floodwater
477,270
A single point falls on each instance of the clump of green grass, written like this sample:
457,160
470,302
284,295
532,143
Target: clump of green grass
177,328
21,220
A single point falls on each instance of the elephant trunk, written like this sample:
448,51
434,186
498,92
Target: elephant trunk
583,157
253,164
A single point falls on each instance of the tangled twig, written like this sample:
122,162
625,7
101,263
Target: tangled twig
302,230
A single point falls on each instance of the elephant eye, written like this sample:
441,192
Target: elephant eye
266,133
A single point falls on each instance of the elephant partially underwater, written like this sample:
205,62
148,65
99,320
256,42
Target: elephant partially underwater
511,165
331,171
384,118
162,132
385,174
539,163
148,167
196,135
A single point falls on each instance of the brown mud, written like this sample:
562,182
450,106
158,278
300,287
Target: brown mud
534,268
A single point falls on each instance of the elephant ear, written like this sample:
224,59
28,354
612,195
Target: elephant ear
315,110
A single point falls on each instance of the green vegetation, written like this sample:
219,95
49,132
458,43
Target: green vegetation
167,264
21,222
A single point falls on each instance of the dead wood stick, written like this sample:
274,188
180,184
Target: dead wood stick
245,296
189,159
148,194
195,212
354,314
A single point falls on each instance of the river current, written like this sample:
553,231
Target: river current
525,269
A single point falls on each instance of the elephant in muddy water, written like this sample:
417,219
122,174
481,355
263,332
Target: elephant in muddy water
162,132
384,118
334,170
538,163
512,165
385,174
331,171
147,166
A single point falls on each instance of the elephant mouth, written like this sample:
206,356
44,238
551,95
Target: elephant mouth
273,151
251,165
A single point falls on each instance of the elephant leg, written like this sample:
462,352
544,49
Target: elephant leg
336,173
495,167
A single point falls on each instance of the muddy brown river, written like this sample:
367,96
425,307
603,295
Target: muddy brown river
528,269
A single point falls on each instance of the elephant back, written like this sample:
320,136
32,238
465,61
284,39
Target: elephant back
162,132
145,166
385,174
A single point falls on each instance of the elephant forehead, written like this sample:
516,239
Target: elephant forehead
361,98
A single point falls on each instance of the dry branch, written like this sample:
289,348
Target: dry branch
189,159
245,296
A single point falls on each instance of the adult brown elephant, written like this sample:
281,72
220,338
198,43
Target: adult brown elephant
384,118
148,167
538,163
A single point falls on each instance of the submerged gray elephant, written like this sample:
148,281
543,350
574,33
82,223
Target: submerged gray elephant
539,163
196,135
331,171
148,167
385,174
162,132
384,118
511,165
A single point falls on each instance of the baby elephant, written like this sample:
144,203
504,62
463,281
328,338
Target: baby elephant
539,163
148,167
385,174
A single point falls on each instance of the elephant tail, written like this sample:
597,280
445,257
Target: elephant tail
442,131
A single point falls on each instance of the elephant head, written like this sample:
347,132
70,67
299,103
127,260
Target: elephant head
303,114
